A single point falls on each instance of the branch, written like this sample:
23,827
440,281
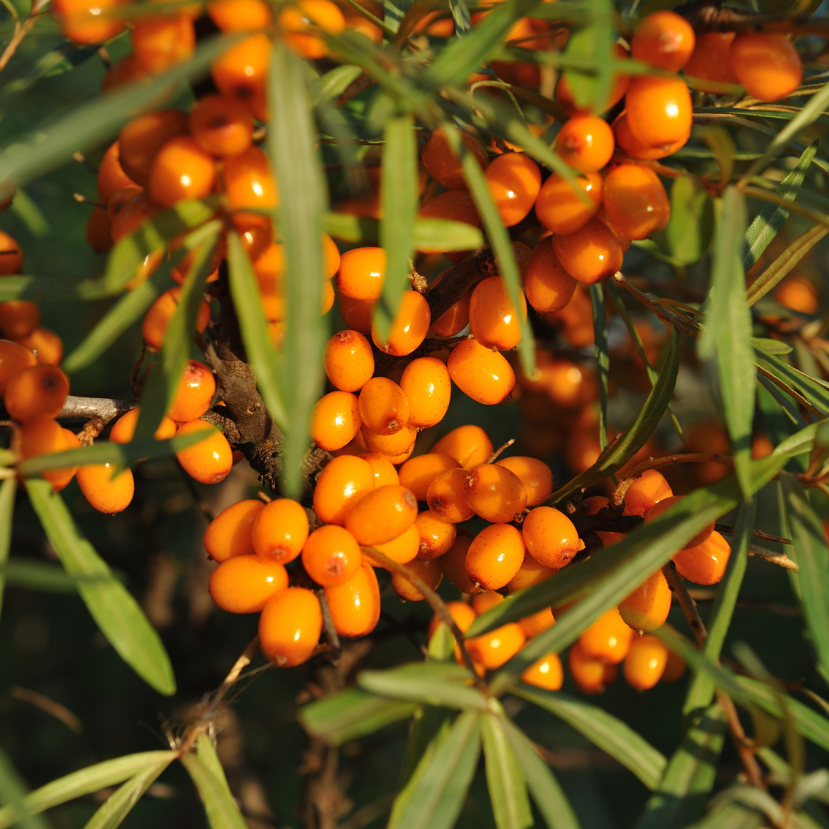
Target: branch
711,18
688,605
85,408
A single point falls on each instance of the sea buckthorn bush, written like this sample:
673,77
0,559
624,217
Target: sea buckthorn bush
414,414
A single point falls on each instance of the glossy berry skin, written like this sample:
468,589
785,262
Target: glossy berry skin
348,360
362,273
382,469
663,40
244,584
240,71
194,393
495,556
445,497
229,534
18,318
300,21
462,615
550,536
249,182
537,623
87,21
496,648
646,491
453,320
665,504
13,359
335,420
435,536
356,313
469,445
142,138
635,200
591,254
607,639
209,461
767,65
36,392
111,175
704,563
392,446
646,662
46,343
442,165
355,605
160,313
409,327
586,143
124,429
107,491
494,320
279,531
45,436
647,607
591,675
546,673
429,572
514,181
384,408
290,627
402,549
536,476
418,473
456,205
428,388
331,556
340,485
709,67
382,515
453,564
159,43
530,573
547,285
674,669
659,110
495,493
480,373
240,15
560,208
221,126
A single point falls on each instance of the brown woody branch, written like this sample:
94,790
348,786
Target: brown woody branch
707,17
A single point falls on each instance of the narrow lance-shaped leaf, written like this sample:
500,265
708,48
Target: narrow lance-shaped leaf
430,727
32,574
504,776
428,233
115,611
13,791
8,488
206,752
222,811
292,145
436,683
816,394
602,356
594,44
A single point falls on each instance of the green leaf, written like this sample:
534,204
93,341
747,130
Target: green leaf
13,791
547,794
722,147
399,194
428,724
813,391
115,611
394,11
689,231
334,82
437,790
444,234
768,346
771,218
611,735
8,488
292,146
222,811
460,14
595,45
602,355
504,776
732,816
206,752
689,778
350,714
87,780
811,552
434,683
40,575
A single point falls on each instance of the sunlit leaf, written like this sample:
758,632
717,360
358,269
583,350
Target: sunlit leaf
504,776
222,811
435,683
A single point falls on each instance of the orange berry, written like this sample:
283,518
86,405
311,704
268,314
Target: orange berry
564,97
530,573
635,200
127,216
299,21
546,673
340,485
241,71
46,437
704,563
402,549
674,669
442,165
249,183
798,294
280,530
362,272
142,138
98,232
428,389
435,536
537,623
356,313
106,490
161,312
209,461
496,648
240,15
514,181
469,445
418,473
479,373
335,420
591,254
647,607
536,476
633,147
355,605
586,143
229,534
462,615
256,241
382,469
646,662
382,515
124,428
409,327
591,675
495,556
245,583
331,556
495,493
11,257
13,359
665,504
709,67
111,175
35,392
194,393
45,344
348,360
222,126
607,639
456,318
125,71
18,318
159,43
401,443
663,40
494,320
561,209
767,65
456,205
486,601
550,536
453,564
88,21
445,497
384,408
659,110
290,627
429,572
649,489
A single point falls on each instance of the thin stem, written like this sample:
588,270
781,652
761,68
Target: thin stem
781,559
667,317
688,605
328,625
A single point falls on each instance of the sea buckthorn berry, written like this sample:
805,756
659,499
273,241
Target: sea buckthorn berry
453,320
161,312
442,165
382,515
550,536
456,205
646,491
409,327
429,572
331,556
663,40
645,662
18,318
496,648
469,445
124,428
428,388
13,359
221,126
607,639
161,42
143,137
249,183
480,373
98,232
44,344
536,476
240,15
355,605
128,216
229,534
348,360
674,669
537,623
384,408
194,393
462,615
335,420
435,536
709,67
591,254
635,200
37,391
381,468
290,627
241,71
798,294
591,675
256,241
486,601
767,65
88,21
647,607
340,485
564,97
446,499
300,21
563,209
280,530
362,273
356,313
111,175
245,583
453,563
392,446
495,556
125,71
633,147
704,563
107,490
665,504
586,143
418,473
209,461
46,437
659,110
402,549
495,493
11,257
397,460
331,255
494,320
514,181
546,673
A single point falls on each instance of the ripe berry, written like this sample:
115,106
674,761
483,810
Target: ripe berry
591,254
299,21
340,485
106,490
356,313
382,469
355,605
88,21
402,549
241,71
445,497
453,564
418,473
161,312
456,205
469,445
13,359
335,420
663,40
331,556
18,318
546,673
209,461
665,504
249,183
290,627
382,515
514,181
607,639
240,15
229,534
384,408
409,327
35,392
550,536
495,493
221,126
194,393
45,344
428,388
98,233
767,65
704,563
647,607
709,67
674,669
143,137
591,675
442,165
46,437
632,146
561,209
479,373
494,320
362,272
645,491
124,428
537,623
111,175
536,476
127,215
159,43
530,573
244,584
646,662
348,360
392,446
456,318
495,556
635,200
429,572
462,615
564,97
435,536
659,110
586,143
496,648
280,530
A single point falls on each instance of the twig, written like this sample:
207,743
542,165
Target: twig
668,317
328,625
688,605
728,529
81,159
500,450
20,31
86,408
744,746
781,559
711,18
